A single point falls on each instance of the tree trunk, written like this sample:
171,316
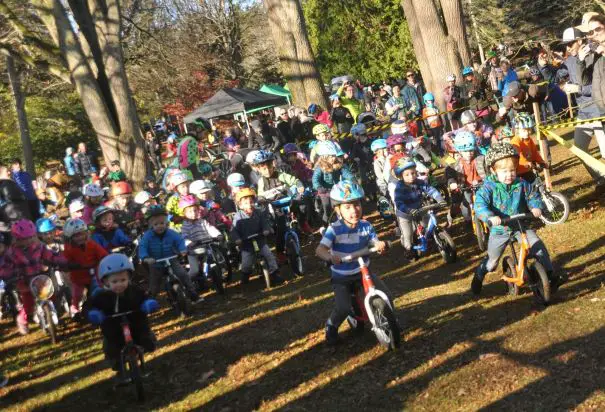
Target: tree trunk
456,29
15,82
418,42
298,63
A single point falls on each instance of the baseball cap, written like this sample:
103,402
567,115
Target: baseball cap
571,34
585,19
513,89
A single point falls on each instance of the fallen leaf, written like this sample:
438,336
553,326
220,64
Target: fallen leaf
595,300
484,356
461,392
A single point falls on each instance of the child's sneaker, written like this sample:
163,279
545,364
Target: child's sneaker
245,278
476,284
276,279
195,298
22,328
331,335
3,381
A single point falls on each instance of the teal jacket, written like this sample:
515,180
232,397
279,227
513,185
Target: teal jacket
497,199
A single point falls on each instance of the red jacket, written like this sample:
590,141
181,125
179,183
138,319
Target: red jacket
88,256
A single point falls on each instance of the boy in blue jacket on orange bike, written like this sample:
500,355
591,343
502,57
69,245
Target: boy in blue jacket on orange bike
348,235
504,194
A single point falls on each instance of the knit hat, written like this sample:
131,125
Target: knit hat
500,151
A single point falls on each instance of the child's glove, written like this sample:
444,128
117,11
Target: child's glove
96,317
149,306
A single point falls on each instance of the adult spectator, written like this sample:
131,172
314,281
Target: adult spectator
412,95
69,162
348,99
591,65
547,71
25,183
153,151
83,162
284,126
13,203
320,115
490,68
476,92
452,95
396,104
340,115
508,75
521,98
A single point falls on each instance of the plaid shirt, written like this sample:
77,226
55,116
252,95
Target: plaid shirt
30,261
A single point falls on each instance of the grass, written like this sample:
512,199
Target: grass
264,350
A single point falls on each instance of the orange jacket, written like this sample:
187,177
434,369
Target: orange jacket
528,154
88,256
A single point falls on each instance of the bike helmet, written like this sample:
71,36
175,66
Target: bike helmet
313,108
188,152
534,71
359,129
402,164
93,190
394,140
422,170
45,225
204,168
399,127
263,156
378,144
76,206
320,128
346,192
464,141
74,226
428,97
230,142
500,151
179,178
142,197
491,54
233,180
121,188
22,229
504,132
524,121
100,211
328,148
187,201
250,156
114,263
468,116
155,210
245,192
467,70
450,78
290,148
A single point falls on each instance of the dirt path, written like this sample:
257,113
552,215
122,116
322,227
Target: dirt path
265,350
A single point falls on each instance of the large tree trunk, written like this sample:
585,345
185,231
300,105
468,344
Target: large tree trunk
456,29
15,82
289,31
418,43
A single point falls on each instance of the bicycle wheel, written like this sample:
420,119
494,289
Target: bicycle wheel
217,279
446,246
539,283
51,328
294,257
134,373
386,328
183,304
225,265
480,234
556,208
508,267
265,273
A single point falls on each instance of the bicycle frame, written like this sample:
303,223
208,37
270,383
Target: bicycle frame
519,278
424,234
279,209
370,291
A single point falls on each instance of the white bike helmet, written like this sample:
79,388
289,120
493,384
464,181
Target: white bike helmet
76,206
142,197
73,226
250,156
200,186
93,190
236,180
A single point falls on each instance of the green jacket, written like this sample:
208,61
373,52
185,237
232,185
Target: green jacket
355,106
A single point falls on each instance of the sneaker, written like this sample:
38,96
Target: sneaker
195,298
245,278
22,328
331,335
121,379
304,226
282,259
276,279
3,381
476,285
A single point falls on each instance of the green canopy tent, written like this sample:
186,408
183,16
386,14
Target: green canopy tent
277,90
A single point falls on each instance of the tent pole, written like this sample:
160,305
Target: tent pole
246,117
185,126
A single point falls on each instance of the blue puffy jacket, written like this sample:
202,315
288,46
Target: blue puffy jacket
111,239
409,197
167,244
322,180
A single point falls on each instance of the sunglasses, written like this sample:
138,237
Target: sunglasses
409,75
596,30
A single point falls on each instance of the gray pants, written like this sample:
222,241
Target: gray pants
407,230
582,137
498,242
156,274
343,304
249,259
194,265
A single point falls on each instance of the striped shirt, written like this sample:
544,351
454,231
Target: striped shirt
199,230
343,240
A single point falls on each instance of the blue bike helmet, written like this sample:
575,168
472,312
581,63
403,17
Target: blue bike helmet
378,144
428,97
312,109
359,129
290,148
467,70
328,148
263,156
464,141
114,263
403,164
45,225
346,192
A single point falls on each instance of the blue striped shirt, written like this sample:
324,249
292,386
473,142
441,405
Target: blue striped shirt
343,240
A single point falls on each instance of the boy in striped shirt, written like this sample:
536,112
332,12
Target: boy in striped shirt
346,236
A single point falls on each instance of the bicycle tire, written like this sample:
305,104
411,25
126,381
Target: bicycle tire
265,273
226,268
294,257
217,279
381,309
480,234
134,372
51,328
539,283
446,246
508,267
553,201
182,301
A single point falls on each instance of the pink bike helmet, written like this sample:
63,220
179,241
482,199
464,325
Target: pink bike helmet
187,201
394,140
23,229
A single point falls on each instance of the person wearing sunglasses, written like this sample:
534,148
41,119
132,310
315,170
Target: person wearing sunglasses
591,61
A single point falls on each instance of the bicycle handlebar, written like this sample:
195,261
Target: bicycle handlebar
364,252
433,206
166,260
120,314
513,218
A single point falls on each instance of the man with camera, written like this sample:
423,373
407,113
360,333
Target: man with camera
586,65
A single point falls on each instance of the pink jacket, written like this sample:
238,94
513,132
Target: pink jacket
30,261
324,117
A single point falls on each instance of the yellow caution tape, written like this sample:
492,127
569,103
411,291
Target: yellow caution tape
585,157
572,123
